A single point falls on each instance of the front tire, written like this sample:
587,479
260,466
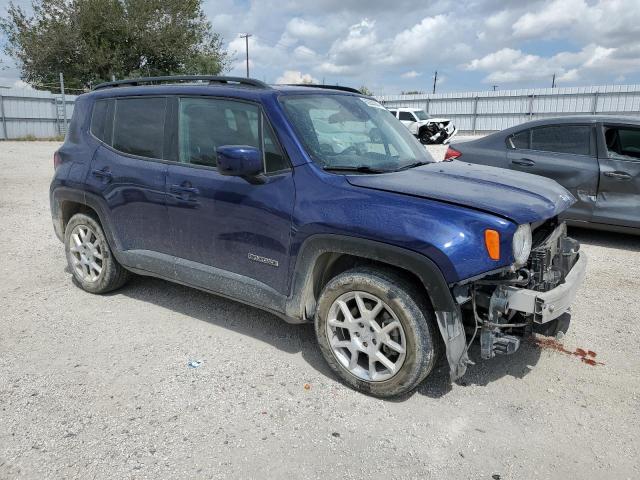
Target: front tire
376,331
89,257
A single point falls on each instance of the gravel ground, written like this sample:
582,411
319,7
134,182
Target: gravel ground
99,387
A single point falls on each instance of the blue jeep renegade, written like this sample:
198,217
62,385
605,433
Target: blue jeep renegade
315,204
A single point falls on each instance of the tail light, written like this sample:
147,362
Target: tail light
452,154
57,160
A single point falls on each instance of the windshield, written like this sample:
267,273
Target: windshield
421,115
345,132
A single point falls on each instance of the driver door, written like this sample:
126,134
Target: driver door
618,201
226,223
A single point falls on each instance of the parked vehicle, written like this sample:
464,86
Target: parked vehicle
595,157
241,189
427,129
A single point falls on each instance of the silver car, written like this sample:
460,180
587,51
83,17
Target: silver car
595,157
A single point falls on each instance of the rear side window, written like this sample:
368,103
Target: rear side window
407,116
99,120
520,140
393,112
139,126
574,139
206,124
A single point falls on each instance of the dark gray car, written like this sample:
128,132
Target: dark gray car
595,157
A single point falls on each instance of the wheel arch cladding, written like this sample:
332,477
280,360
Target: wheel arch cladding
313,254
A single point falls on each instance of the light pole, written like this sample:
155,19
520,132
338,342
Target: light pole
246,39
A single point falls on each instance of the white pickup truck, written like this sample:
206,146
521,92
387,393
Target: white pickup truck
428,130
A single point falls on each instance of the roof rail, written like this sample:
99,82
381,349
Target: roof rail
212,79
328,87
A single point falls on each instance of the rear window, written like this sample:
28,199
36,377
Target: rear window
574,139
139,126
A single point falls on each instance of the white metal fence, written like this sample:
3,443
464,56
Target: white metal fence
25,112
496,110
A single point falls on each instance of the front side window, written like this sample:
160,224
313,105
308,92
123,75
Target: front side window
138,127
623,142
349,132
574,139
206,124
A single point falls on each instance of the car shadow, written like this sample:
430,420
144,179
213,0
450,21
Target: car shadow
300,339
621,241
483,372
228,314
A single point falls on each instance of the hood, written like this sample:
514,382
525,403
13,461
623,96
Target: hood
520,197
433,120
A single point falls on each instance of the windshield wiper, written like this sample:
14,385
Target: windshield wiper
358,168
412,165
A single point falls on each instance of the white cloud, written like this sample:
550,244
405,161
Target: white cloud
514,66
395,46
555,15
294,76
301,28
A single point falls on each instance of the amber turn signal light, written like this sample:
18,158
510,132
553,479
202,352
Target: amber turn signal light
492,242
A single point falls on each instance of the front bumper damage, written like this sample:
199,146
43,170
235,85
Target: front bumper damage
436,133
501,309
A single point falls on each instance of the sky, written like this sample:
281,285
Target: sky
391,46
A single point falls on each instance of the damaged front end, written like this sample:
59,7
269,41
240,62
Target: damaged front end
503,308
436,132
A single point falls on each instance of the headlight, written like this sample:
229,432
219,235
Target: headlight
522,244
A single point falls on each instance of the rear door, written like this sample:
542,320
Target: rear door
226,222
619,192
565,153
128,171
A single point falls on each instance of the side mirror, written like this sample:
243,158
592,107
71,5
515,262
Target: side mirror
240,161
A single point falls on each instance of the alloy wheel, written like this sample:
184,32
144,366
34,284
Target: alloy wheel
86,253
366,336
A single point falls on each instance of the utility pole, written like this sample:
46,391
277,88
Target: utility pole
64,102
553,81
435,80
246,39
495,87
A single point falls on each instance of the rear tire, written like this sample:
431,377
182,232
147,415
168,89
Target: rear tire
90,259
376,331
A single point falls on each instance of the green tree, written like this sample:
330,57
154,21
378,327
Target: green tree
365,91
91,40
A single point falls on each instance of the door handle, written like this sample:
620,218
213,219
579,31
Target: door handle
618,175
178,189
524,162
103,174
